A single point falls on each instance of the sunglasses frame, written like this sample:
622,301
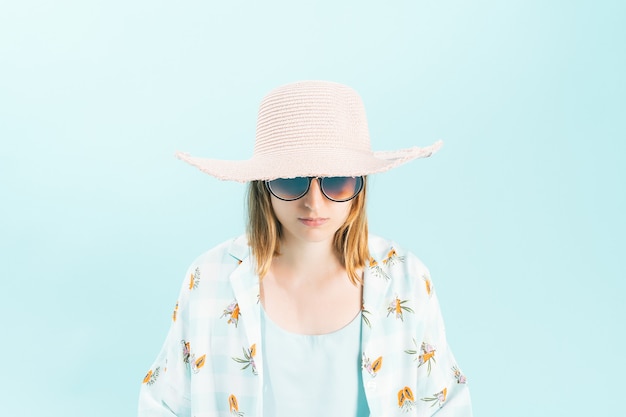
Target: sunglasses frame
308,187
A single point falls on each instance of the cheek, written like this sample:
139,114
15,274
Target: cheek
279,209
345,211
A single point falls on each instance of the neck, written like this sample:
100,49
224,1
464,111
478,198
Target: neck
308,261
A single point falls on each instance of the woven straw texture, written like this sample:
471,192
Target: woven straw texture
310,128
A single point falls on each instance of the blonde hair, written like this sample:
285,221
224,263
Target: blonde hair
264,232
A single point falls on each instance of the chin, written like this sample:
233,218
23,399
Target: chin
314,236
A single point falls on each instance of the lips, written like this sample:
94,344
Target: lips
313,222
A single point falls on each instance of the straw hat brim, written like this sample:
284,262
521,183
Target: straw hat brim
312,163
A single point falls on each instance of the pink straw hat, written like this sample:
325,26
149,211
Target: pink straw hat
310,129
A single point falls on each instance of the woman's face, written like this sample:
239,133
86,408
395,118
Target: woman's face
312,218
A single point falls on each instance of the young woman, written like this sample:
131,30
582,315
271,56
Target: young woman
307,314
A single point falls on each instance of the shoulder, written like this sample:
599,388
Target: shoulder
218,262
208,275
388,253
400,268
231,251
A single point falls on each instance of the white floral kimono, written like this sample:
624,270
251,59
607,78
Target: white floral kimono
208,366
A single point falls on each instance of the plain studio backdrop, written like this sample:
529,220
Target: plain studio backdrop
520,217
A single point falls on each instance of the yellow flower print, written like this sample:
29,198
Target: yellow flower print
376,270
175,312
438,398
151,376
460,378
372,367
397,306
234,406
248,359
406,400
429,284
194,279
148,377
393,258
190,358
233,313
426,354
196,364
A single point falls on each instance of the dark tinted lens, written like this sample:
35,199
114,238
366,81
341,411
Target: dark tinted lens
341,188
290,188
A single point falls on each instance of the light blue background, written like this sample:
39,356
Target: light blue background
520,217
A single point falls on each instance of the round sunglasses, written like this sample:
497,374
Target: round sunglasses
338,189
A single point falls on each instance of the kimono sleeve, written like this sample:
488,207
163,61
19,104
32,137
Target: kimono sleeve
447,390
165,390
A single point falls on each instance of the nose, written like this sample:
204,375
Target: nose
314,196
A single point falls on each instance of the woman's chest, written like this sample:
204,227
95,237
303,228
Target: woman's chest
311,310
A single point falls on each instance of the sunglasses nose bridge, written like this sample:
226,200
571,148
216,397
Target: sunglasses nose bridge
314,191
